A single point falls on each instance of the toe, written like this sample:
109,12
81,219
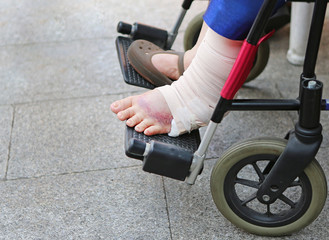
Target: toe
126,114
134,120
143,125
121,105
157,129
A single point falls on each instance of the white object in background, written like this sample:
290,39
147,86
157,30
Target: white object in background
301,17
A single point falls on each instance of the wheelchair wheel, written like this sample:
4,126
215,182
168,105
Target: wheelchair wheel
191,36
192,31
237,175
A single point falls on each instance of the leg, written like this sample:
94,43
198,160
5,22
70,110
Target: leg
188,103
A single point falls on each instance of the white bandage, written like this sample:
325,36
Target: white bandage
193,97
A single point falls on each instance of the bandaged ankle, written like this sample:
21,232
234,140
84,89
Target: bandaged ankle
193,97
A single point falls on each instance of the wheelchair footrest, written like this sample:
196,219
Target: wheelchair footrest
130,76
161,154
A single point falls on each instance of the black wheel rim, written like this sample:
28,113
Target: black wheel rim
241,185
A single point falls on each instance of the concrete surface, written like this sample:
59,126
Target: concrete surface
63,171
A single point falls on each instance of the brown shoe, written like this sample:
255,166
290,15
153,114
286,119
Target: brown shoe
140,53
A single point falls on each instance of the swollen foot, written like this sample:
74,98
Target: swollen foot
148,113
187,103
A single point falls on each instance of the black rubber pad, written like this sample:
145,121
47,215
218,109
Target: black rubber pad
188,141
130,76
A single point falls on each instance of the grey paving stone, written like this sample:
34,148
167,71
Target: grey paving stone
285,75
193,215
6,118
111,204
244,125
66,136
322,158
59,70
238,126
77,56
28,21
279,70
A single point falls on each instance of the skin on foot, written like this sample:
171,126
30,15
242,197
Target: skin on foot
148,112
167,64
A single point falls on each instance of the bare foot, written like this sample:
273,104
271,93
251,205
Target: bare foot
167,64
148,113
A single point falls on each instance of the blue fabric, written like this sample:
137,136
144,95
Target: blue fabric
233,18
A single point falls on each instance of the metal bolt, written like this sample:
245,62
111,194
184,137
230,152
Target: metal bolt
266,198
311,84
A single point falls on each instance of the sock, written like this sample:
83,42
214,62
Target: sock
193,97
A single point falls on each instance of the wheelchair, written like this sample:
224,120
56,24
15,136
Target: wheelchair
285,170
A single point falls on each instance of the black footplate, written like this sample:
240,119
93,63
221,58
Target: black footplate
130,76
161,154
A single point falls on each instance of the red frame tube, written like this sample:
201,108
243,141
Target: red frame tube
241,68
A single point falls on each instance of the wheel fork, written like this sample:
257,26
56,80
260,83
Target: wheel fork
303,144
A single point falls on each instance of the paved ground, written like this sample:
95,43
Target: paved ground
63,171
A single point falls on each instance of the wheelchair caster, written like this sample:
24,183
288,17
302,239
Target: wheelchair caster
239,173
